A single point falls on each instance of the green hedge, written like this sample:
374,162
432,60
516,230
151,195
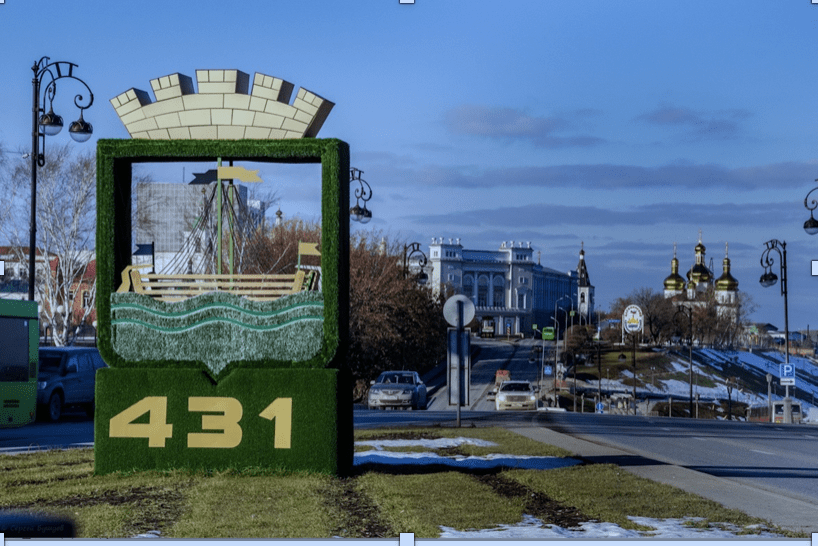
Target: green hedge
115,159
321,424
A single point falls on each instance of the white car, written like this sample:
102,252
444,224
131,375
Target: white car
516,395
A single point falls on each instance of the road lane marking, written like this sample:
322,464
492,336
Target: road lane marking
763,452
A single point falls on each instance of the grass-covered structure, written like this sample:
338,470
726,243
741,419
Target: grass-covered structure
216,376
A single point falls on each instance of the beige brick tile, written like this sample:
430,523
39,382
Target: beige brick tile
306,107
174,79
179,133
192,118
201,76
278,133
198,101
230,132
159,134
258,104
201,133
141,134
303,117
115,102
128,107
133,117
280,109
168,93
164,81
267,120
221,116
301,92
168,120
294,134
142,125
230,75
243,117
131,94
268,81
293,125
257,133
217,87
164,107
156,85
237,101
216,75
263,92
258,79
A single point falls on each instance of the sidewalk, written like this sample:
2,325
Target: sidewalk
788,513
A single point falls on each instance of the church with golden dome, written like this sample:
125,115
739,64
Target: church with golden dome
700,278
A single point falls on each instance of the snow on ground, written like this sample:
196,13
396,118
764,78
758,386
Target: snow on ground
531,527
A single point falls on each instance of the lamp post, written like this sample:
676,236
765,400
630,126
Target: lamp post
409,251
685,310
364,193
50,124
557,346
811,225
768,278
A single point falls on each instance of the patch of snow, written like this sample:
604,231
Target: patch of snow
494,460
437,443
533,528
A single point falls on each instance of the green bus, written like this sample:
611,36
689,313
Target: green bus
19,346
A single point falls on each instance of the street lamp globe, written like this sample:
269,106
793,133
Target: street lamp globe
366,215
768,279
80,130
811,225
51,123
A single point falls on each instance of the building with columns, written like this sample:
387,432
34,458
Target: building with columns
509,287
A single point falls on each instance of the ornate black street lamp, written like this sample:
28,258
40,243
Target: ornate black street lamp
768,278
364,193
811,225
685,310
50,124
409,251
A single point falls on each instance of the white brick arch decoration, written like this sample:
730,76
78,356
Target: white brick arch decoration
222,109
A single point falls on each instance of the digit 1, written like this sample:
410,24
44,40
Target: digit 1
282,411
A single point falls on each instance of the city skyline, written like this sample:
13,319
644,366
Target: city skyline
624,126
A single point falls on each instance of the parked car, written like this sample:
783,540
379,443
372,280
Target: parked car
499,377
66,378
397,389
519,395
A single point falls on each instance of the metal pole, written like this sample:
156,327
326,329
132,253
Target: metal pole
690,361
459,357
787,400
634,373
35,153
219,221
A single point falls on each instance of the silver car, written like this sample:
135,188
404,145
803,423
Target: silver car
66,377
398,389
517,395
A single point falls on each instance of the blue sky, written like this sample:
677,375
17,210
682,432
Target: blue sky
625,125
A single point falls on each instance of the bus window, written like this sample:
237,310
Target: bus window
19,331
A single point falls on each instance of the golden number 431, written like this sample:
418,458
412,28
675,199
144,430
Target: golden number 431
223,415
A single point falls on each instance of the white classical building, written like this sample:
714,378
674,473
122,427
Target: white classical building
509,288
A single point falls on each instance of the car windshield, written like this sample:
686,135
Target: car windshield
396,378
50,363
515,387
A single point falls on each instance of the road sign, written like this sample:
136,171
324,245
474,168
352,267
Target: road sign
787,372
547,370
632,319
548,334
459,388
600,407
450,310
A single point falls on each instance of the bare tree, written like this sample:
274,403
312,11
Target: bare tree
66,224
